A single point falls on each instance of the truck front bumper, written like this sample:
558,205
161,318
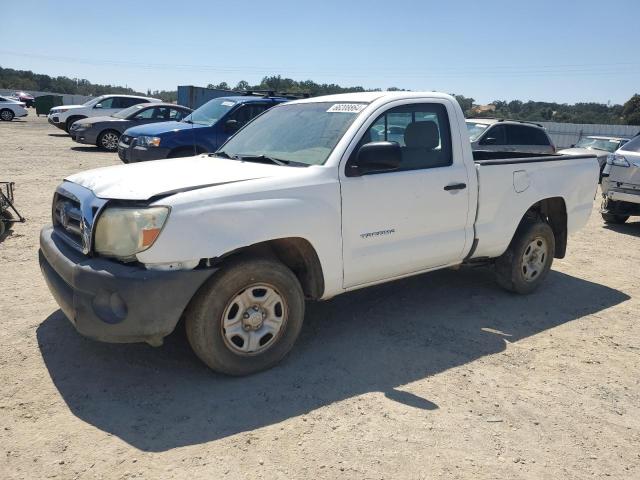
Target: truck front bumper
113,302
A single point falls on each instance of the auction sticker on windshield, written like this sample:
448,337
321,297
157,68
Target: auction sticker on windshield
347,108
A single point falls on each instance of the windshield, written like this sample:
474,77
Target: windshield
301,133
598,144
632,145
210,112
475,130
129,111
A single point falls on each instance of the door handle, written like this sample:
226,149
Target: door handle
455,186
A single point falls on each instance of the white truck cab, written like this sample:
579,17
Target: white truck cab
310,200
65,116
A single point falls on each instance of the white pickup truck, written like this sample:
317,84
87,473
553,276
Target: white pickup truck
308,201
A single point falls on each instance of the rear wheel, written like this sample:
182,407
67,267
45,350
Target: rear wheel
6,115
109,140
527,261
247,317
614,219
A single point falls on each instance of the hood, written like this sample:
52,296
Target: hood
584,151
154,129
142,181
65,107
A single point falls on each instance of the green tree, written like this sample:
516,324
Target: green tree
631,111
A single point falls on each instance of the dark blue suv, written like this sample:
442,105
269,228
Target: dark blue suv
203,131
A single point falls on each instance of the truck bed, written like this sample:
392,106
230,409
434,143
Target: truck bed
509,183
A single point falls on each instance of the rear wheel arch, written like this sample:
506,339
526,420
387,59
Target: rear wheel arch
553,211
296,253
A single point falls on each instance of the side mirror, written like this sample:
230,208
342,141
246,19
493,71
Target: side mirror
572,145
375,157
489,141
231,126
98,105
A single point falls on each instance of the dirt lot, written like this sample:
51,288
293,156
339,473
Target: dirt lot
438,376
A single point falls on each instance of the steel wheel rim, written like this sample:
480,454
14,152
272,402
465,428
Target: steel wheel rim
110,141
534,259
254,319
6,115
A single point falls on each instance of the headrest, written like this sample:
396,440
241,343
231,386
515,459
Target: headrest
422,135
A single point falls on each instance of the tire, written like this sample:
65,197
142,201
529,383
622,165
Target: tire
527,261
614,219
183,152
108,140
71,121
236,325
6,115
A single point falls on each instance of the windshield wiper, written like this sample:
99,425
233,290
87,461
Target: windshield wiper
266,159
188,121
221,154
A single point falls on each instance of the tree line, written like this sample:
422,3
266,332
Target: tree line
584,112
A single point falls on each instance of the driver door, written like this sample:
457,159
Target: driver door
411,219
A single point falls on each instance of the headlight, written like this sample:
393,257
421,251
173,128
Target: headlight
62,110
123,232
81,126
617,160
144,141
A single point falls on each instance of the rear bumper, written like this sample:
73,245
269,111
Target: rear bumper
621,195
114,302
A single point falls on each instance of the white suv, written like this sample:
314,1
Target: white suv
64,116
10,108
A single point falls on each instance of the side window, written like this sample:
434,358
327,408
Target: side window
248,111
126,102
147,114
422,131
496,135
540,137
108,102
176,114
521,135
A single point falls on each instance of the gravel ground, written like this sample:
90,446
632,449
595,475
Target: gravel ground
438,376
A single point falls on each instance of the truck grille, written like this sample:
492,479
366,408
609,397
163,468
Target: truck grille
67,219
74,211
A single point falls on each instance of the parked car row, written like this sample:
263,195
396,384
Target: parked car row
10,109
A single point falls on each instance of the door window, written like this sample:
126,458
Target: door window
523,135
248,111
107,102
496,135
422,131
147,114
177,114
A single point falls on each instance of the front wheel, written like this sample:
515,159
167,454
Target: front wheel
6,115
614,219
527,261
247,317
109,140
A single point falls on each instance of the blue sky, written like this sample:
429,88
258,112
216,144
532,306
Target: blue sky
562,50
